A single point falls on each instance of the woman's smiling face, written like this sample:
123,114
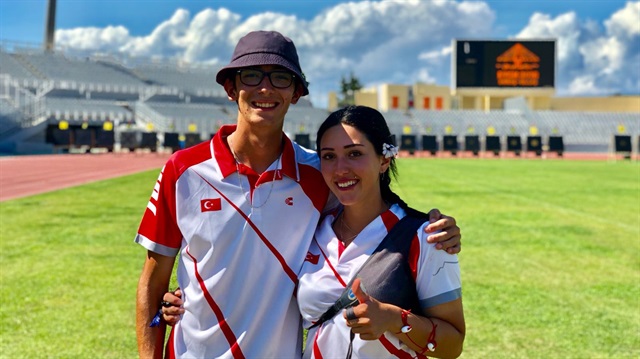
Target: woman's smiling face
350,165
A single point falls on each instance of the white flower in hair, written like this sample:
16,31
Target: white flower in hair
389,150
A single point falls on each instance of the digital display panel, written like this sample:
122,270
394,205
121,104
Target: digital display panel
504,64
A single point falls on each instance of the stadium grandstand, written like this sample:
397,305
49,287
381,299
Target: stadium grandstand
51,99
54,102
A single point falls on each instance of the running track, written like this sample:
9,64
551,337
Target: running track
22,176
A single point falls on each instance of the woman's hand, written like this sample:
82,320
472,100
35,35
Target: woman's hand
371,318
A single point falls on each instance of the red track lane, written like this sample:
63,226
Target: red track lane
22,176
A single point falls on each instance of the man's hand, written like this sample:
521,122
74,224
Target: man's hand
154,281
172,307
449,236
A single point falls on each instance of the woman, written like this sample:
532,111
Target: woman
357,159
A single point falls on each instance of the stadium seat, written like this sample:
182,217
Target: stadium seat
303,140
450,143
472,144
514,144
408,143
492,144
430,143
534,144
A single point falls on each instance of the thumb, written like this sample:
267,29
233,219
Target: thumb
356,288
178,293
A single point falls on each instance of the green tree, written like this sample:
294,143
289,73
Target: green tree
348,88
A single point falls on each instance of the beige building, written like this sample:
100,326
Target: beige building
596,104
332,101
400,97
431,97
488,99
434,97
367,97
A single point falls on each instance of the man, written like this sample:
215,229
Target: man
241,211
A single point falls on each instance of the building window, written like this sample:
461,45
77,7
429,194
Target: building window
394,102
426,103
439,103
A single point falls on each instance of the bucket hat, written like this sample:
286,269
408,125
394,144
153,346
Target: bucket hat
259,48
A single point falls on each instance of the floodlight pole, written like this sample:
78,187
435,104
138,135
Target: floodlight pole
50,26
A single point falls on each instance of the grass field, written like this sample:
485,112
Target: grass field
550,260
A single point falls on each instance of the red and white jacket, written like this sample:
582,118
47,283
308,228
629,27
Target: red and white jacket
237,264
330,266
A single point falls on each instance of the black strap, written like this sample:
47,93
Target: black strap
406,227
352,336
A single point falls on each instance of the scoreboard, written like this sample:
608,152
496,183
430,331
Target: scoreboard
504,64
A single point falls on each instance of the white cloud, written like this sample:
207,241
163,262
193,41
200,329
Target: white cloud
207,36
165,40
603,56
424,77
388,41
382,41
593,59
584,85
436,55
625,22
92,38
565,27
203,38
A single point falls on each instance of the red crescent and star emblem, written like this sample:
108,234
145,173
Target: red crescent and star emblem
211,204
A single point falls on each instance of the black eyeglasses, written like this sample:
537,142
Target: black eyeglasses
253,77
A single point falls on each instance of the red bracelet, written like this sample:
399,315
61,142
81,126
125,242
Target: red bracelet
406,328
431,342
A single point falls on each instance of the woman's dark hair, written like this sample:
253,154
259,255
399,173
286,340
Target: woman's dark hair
372,124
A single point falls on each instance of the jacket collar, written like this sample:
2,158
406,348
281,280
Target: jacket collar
227,163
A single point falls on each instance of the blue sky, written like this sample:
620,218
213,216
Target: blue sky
598,41
23,20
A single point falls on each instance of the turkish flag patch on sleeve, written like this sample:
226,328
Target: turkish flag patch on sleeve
212,204
312,258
